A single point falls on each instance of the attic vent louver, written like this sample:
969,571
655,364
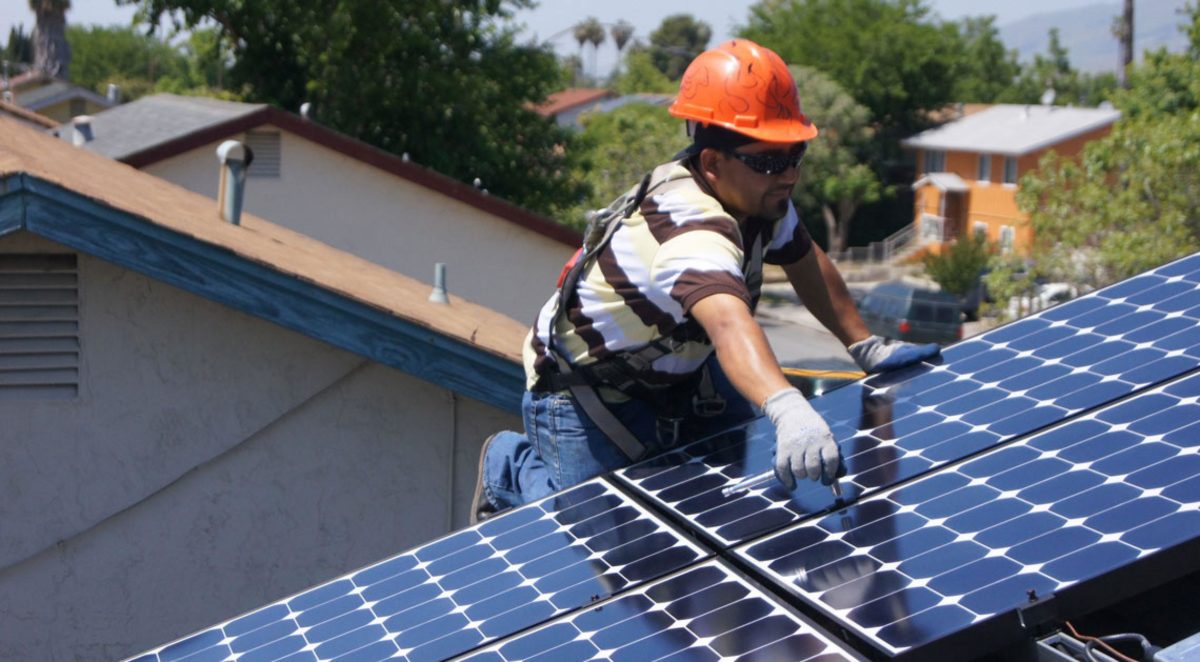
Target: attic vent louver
39,327
267,153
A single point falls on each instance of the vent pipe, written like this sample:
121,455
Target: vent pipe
81,133
235,160
114,94
439,284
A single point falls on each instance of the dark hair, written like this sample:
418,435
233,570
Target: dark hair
713,137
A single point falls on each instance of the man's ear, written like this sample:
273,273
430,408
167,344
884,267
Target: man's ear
710,163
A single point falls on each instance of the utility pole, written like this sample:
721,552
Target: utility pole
1123,30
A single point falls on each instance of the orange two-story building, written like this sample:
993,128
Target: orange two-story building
970,167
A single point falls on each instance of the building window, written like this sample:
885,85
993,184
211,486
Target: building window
39,327
979,229
935,161
1010,170
1006,239
985,168
267,153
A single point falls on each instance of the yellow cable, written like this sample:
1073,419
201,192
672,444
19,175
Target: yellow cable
824,374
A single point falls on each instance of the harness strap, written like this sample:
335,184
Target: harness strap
581,388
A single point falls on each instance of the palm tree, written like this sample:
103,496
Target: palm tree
592,31
621,33
51,53
581,36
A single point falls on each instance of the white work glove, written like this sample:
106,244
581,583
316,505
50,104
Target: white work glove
804,446
876,354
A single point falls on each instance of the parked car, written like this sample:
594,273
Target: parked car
1044,296
900,310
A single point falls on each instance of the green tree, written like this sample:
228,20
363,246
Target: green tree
834,180
1132,201
987,69
640,75
102,55
1130,204
143,63
676,41
19,49
448,83
889,55
617,149
590,31
956,269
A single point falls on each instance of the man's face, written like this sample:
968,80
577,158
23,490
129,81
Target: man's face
756,180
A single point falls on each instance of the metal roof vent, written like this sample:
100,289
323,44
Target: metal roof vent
235,161
439,284
114,93
82,133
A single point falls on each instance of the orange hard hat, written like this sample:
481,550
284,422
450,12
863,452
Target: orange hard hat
745,88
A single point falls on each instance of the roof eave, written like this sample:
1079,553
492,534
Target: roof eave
216,273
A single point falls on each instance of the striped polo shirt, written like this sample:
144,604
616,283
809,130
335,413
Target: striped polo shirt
679,247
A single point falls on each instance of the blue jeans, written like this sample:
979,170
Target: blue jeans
562,446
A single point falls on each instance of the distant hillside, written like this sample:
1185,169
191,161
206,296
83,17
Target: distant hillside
1086,32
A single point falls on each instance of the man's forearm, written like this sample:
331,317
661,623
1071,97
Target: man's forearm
820,287
741,346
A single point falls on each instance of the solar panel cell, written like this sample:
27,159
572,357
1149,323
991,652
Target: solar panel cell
1044,513
703,613
456,593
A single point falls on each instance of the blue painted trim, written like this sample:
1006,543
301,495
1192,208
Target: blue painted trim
12,204
215,273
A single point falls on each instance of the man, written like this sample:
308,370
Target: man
620,363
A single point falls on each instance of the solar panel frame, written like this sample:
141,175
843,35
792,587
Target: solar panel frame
1010,381
932,517
462,590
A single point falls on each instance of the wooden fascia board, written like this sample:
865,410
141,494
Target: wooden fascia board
218,274
12,204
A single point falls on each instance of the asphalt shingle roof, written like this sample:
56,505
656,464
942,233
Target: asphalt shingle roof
153,120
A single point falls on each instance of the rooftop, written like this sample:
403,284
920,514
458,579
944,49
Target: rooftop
161,126
1013,130
573,97
135,214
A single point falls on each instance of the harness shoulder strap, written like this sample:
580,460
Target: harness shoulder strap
599,232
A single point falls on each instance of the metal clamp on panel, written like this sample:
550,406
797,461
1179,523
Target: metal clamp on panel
1037,611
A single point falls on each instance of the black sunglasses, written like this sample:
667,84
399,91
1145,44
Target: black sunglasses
772,163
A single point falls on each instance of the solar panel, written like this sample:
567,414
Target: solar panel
1046,514
703,613
984,391
456,593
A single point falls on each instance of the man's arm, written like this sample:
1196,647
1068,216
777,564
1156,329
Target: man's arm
820,287
742,347
804,446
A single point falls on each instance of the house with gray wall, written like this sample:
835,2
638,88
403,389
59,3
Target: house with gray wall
197,417
350,195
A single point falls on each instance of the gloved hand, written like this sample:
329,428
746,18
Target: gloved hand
876,354
804,446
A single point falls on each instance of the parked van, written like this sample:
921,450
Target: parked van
900,310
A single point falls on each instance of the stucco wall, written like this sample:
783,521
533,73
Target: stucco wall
212,462
391,221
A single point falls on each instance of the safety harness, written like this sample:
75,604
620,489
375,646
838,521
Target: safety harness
625,371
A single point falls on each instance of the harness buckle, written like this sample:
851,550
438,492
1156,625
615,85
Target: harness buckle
708,407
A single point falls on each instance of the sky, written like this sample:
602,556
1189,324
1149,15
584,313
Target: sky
552,20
